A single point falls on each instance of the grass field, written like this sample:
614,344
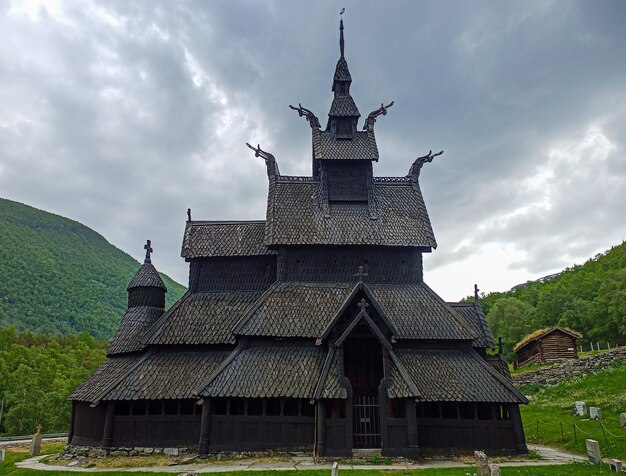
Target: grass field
18,454
554,406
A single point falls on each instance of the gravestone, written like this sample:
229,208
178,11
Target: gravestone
581,409
595,413
593,451
170,451
35,445
615,465
335,470
622,420
1,455
495,470
482,463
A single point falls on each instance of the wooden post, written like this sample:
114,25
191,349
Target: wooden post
518,428
321,428
70,435
382,410
349,413
411,428
107,434
205,427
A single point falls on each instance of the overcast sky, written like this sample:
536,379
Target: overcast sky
121,115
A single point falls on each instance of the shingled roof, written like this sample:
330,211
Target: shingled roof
135,323
306,309
146,276
295,216
106,376
475,318
207,239
166,375
344,106
454,376
202,318
361,147
294,309
268,372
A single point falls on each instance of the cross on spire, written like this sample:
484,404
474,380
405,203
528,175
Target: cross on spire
361,273
363,304
476,290
149,250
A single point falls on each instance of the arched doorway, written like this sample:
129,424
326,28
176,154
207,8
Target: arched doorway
363,366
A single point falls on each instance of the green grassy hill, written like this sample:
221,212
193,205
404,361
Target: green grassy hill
548,418
590,299
60,277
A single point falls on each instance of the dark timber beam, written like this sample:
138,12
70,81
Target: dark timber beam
516,420
411,427
107,434
320,444
72,423
205,427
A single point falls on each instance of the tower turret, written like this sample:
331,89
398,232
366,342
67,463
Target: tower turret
147,288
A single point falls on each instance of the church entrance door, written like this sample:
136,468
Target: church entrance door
366,422
363,363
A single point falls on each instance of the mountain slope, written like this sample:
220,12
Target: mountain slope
59,277
590,298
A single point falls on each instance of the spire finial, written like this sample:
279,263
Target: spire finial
341,42
149,250
476,291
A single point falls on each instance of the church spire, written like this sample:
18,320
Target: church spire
343,114
341,42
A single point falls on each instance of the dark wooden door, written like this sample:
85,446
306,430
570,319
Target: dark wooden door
366,422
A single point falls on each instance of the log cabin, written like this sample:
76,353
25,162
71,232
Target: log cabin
547,345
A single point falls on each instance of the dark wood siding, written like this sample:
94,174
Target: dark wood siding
88,424
339,263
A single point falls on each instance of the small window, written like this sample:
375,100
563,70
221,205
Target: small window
307,409
502,413
170,407
431,410
466,411
139,407
448,410
220,406
122,408
255,407
155,407
237,407
187,407
272,407
484,411
291,407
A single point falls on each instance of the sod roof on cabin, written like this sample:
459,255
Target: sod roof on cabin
543,332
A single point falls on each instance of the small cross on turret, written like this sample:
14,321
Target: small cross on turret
361,273
476,290
149,250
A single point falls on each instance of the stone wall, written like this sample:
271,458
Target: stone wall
571,368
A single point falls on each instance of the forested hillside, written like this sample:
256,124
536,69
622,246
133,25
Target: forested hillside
37,373
60,277
590,298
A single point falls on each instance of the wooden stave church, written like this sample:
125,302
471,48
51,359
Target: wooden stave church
310,330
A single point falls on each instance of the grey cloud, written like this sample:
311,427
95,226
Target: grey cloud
102,120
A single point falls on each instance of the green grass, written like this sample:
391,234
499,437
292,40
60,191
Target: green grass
8,469
555,405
